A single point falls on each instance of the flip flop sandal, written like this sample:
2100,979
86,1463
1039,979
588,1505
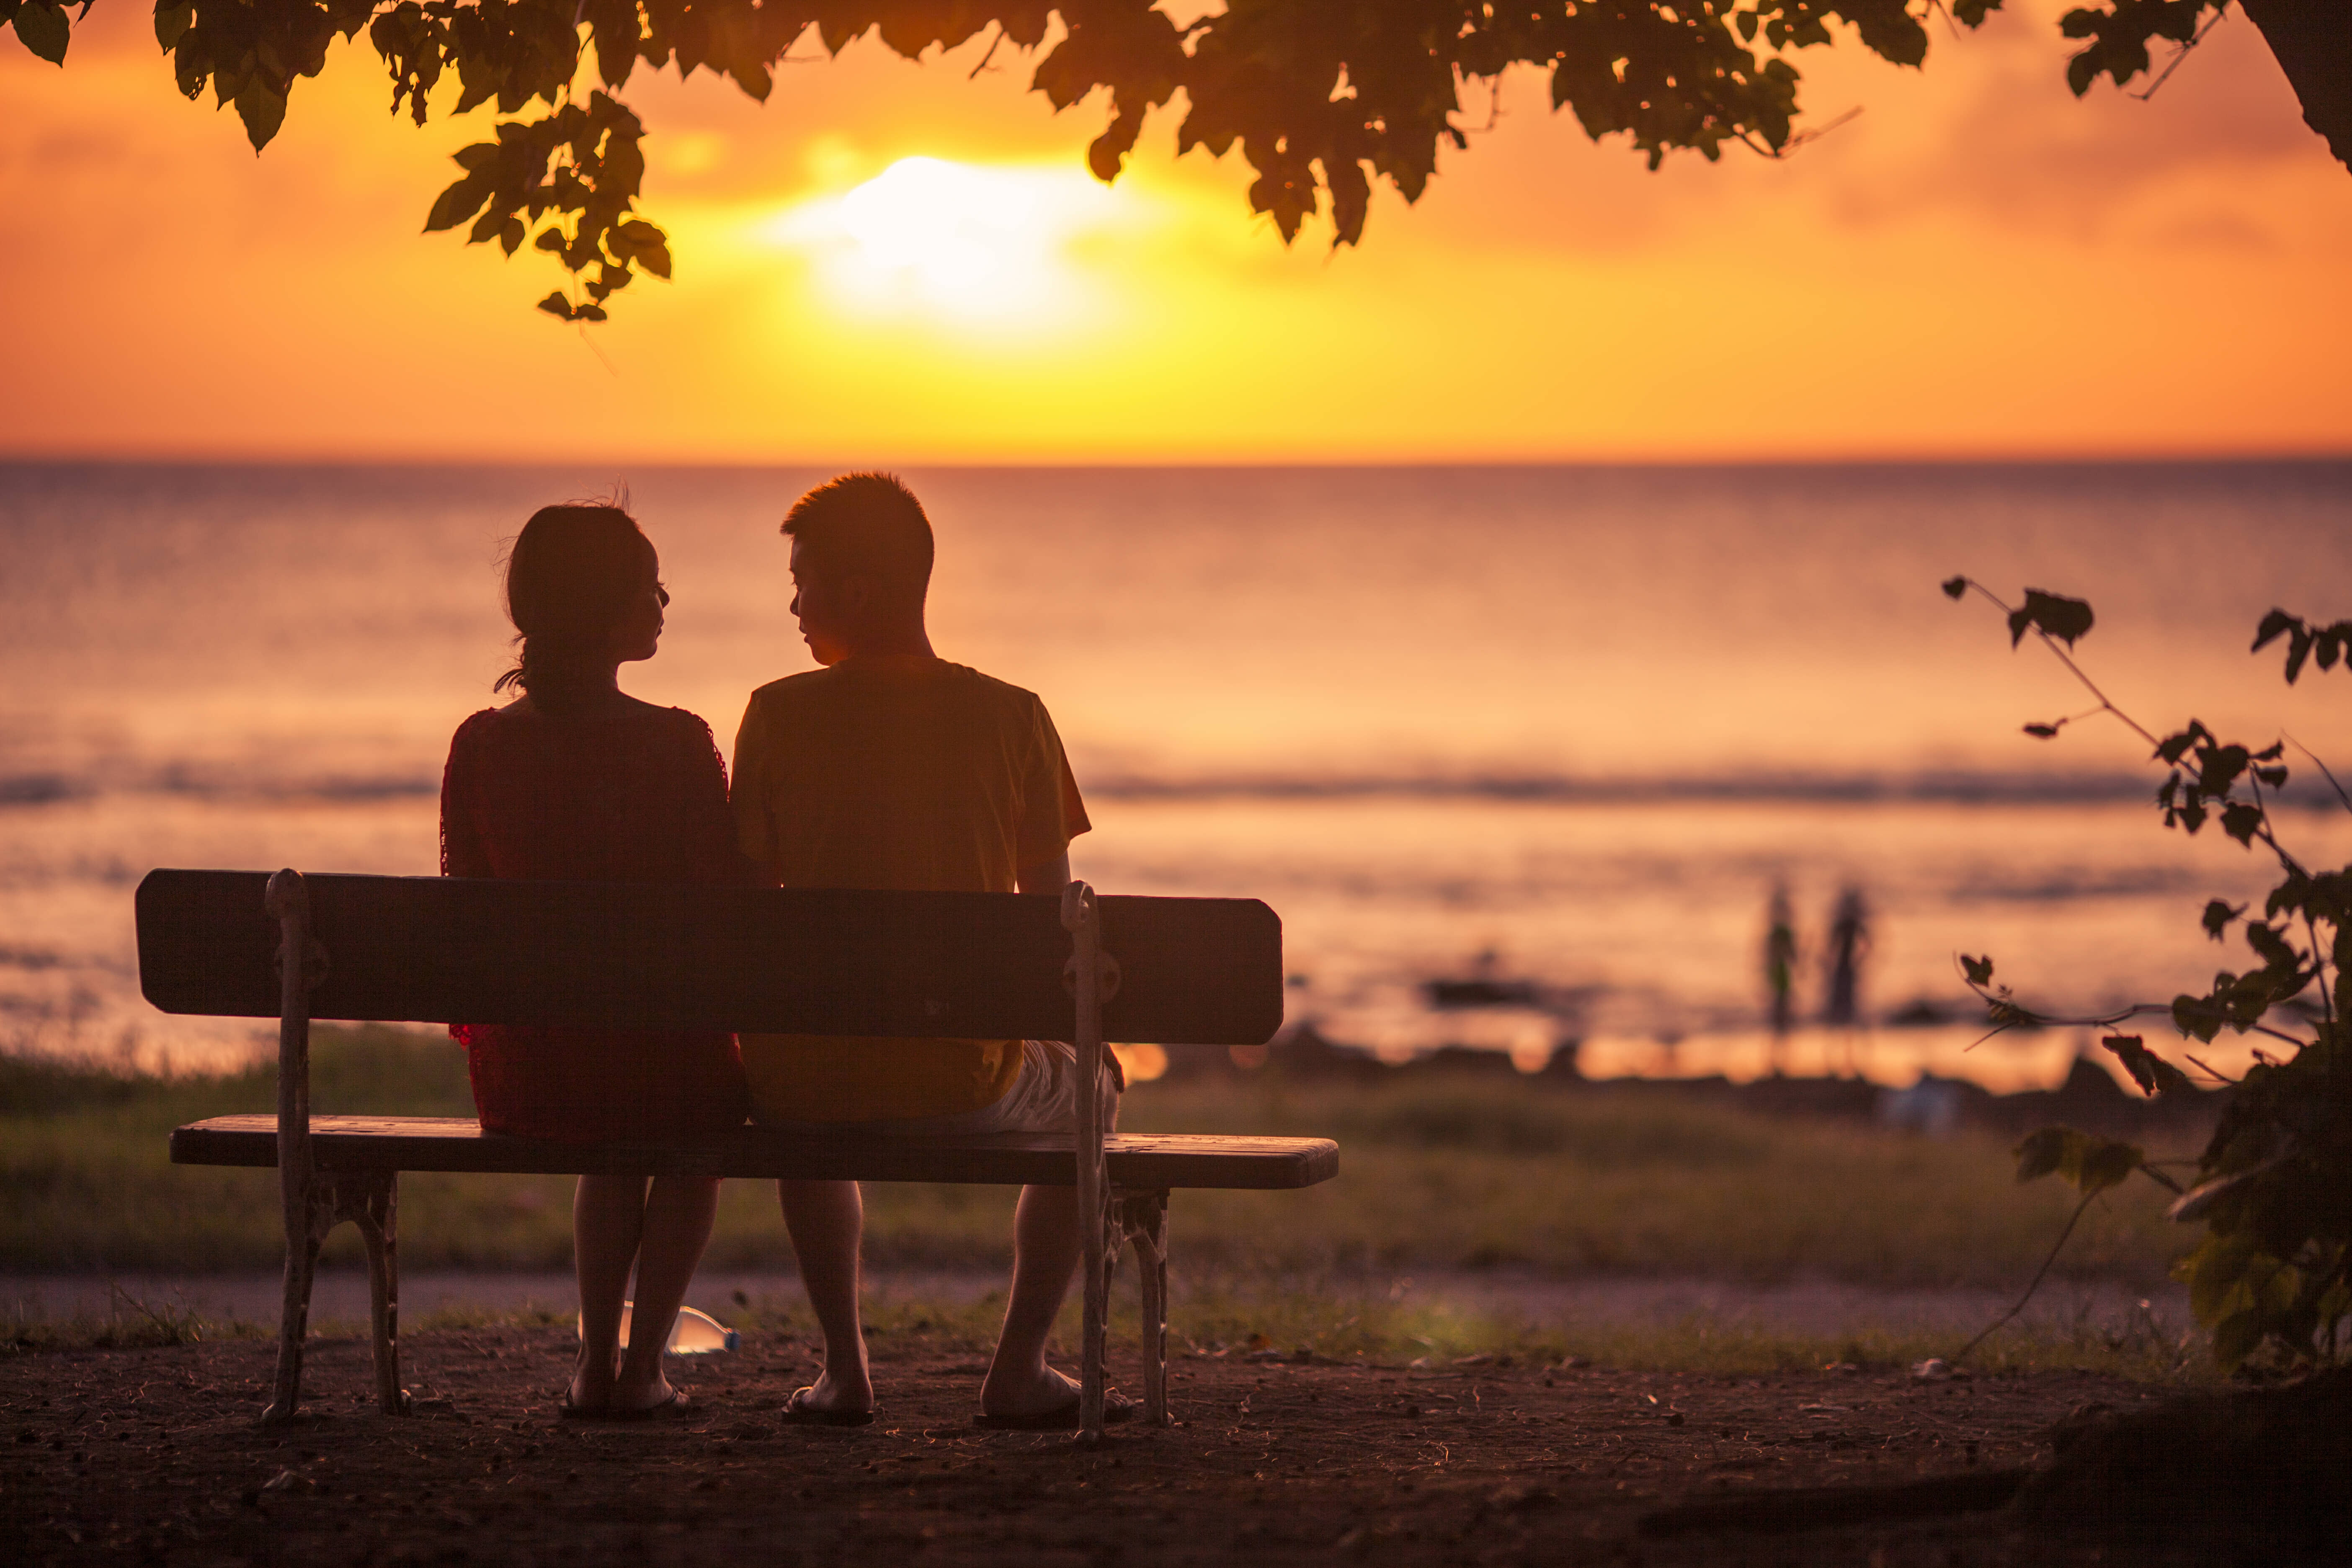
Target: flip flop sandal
799,1412
1117,1408
567,1411
676,1407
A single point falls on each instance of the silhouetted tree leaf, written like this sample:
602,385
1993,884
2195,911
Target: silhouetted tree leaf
2219,767
2175,746
171,22
2042,732
2090,1162
2270,946
1955,587
458,203
2154,1075
2197,1017
2273,625
42,27
2217,916
2040,1152
2324,646
261,105
2061,617
2298,648
2239,820
1978,969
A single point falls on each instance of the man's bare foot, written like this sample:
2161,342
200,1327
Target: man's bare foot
1032,1393
838,1395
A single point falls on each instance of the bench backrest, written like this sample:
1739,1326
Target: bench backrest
630,955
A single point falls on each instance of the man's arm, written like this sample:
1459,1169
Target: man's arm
754,834
1045,876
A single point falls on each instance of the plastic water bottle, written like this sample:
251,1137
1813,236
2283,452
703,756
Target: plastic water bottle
694,1333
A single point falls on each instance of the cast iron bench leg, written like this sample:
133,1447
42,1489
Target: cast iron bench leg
1144,1218
371,1202
317,1210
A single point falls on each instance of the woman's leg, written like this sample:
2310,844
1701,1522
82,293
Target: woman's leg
608,1216
827,1220
677,1215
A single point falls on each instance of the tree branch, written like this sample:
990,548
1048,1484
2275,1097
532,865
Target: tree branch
2058,649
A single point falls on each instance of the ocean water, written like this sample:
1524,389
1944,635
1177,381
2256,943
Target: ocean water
1565,726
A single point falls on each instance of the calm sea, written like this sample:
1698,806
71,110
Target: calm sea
1572,724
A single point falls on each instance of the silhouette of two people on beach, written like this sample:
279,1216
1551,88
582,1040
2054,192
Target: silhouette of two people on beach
1846,951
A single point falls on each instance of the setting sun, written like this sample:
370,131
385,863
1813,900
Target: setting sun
968,243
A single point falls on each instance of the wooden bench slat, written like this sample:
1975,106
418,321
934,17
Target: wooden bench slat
1142,1161
632,955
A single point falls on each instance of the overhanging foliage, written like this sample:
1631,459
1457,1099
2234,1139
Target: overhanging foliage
1322,96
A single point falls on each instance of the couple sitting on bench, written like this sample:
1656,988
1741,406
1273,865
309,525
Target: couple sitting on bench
888,768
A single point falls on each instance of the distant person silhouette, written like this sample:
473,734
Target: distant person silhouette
892,768
1780,972
1849,949
576,782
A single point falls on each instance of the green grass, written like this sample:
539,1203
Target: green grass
1476,1174
127,1324
1290,1325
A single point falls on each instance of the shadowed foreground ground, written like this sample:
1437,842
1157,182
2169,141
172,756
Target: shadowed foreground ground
151,1456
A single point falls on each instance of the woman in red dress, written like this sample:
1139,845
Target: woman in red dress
575,781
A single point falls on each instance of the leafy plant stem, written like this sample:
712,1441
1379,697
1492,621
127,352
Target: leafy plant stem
2324,769
2039,1274
2106,704
2326,992
2273,1275
2182,53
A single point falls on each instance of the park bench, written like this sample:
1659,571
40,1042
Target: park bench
626,955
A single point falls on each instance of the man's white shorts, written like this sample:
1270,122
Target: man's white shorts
1043,1098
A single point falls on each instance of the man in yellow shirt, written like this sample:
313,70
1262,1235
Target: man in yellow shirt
891,768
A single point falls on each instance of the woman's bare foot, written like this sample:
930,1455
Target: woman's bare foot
592,1381
628,1400
1034,1392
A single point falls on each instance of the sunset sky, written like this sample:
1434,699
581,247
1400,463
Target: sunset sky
890,262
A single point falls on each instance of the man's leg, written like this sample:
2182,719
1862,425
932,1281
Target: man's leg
1044,1256
1046,1248
827,1220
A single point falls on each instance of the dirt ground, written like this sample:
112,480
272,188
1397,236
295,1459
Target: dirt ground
154,1456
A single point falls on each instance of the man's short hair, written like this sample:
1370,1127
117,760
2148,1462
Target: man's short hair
868,525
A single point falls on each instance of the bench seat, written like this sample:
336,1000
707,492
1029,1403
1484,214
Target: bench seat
1139,1161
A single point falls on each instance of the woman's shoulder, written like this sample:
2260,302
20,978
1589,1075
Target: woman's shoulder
679,731
680,720
477,729
632,725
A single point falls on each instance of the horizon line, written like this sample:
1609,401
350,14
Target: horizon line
2087,458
